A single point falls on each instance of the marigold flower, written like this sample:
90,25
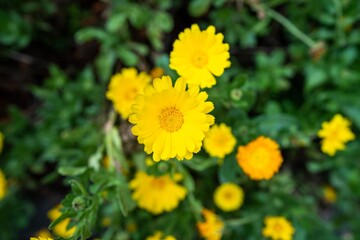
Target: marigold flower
219,141
43,233
158,235
278,228
335,134
40,238
212,227
157,194
171,121
3,185
260,159
329,194
124,87
198,55
1,141
228,197
60,229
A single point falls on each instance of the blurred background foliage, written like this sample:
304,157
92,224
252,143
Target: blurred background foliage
294,65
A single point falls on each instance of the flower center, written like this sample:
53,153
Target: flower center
199,59
158,183
277,227
131,93
260,157
228,195
171,119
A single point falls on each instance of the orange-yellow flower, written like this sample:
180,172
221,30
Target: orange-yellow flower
260,159
3,185
212,227
228,197
158,235
60,229
278,228
219,141
329,194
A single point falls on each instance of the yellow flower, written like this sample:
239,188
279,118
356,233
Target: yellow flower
157,194
43,233
278,228
1,141
124,87
212,228
329,194
198,55
3,185
106,162
219,141
40,238
158,235
157,72
260,159
170,121
229,197
335,134
61,228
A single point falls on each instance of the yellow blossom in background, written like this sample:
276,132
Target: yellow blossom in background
278,228
1,141
124,87
131,227
157,194
212,227
329,194
335,134
106,162
61,228
43,233
106,221
157,72
260,159
40,238
3,185
219,141
158,235
171,121
228,197
198,55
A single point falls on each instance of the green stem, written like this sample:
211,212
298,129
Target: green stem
242,221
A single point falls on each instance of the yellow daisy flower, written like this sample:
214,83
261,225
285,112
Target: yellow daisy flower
171,121
3,185
219,141
158,235
329,194
228,197
40,238
61,228
124,87
278,228
157,194
212,227
260,159
198,55
43,233
335,134
1,141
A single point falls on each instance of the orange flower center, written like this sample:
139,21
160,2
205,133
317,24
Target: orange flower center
260,157
131,94
171,119
278,227
228,195
199,59
158,183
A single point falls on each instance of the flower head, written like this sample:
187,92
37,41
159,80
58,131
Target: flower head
43,233
198,55
40,238
61,229
171,121
3,185
157,194
278,228
124,87
335,134
260,159
212,227
158,235
219,141
228,197
329,194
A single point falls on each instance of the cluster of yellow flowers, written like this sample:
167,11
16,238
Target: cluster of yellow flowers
61,229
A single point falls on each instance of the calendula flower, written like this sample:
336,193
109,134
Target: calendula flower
329,194
212,227
219,141
61,228
278,228
158,235
157,72
157,194
335,134
228,197
43,233
124,87
40,238
171,121
3,185
198,55
260,159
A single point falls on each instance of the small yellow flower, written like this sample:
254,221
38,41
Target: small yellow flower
61,228
3,185
40,238
43,233
229,197
157,72
171,121
1,141
158,235
260,159
106,162
198,55
329,194
124,87
157,194
106,222
278,228
212,227
219,141
335,134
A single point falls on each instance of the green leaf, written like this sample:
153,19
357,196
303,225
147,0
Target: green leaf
90,33
126,55
115,22
200,164
71,171
197,8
